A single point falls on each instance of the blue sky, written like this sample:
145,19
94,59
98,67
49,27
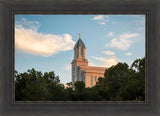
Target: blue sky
45,42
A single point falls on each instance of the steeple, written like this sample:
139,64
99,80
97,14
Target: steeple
79,42
79,60
79,49
79,35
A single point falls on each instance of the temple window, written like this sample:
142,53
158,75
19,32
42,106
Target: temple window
91,81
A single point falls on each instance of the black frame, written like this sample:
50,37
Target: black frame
149,7
93,102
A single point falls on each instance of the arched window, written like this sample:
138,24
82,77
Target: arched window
95,78
82,51
91,81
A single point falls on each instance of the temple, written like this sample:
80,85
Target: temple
80,69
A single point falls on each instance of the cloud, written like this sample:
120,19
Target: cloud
128,54
102,23
108,52
124,41
110,34
91,63
107,62
68,67
30,25
28,40
113,22
102,19
99,17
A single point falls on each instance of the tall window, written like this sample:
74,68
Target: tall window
73,68
73,78
95,78
91,81
82,51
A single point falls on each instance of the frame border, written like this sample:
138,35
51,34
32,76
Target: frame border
86,102
8,107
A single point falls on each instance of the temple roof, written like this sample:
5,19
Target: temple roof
79,43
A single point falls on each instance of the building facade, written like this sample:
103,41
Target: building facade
80,69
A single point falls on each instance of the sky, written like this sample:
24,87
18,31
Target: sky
45,42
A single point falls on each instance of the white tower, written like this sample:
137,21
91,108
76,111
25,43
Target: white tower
79,61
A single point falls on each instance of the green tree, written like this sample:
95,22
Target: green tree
120,83
123,83
135,89
34,86
115,81
78,93
85,94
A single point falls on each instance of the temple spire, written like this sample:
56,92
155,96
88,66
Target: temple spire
79,42
79,35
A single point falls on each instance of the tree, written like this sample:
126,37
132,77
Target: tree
34,86
78,93
120,83
123,83
115,81
135,89
85,94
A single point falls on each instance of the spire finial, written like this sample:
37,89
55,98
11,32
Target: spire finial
79,35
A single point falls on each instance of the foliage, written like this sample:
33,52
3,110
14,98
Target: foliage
33,86
120,83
